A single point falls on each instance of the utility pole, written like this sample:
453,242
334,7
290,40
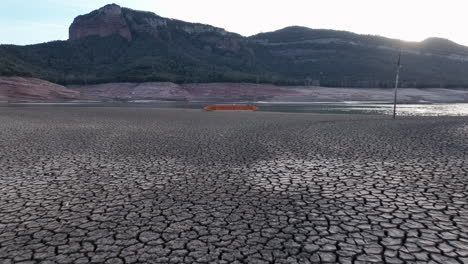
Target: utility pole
396,84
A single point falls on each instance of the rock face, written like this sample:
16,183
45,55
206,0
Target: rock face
115,20
17,88
109,20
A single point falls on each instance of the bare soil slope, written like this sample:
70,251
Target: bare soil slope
264,92
189,92
19,88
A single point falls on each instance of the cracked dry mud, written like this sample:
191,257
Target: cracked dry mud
142,185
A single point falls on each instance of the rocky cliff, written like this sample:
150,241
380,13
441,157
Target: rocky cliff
108,20
115,20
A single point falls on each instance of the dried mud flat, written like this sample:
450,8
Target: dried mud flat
141,185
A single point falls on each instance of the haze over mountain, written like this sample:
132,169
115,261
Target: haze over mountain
115,44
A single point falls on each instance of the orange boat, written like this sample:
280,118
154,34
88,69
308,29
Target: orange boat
231,107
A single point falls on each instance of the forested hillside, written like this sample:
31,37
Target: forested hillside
115,44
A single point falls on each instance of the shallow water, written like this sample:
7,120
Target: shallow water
457,109
378,109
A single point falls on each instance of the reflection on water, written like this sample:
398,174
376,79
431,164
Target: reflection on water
425,109
378,109
303,107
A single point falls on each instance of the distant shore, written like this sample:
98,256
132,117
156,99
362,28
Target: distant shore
30,89
216,92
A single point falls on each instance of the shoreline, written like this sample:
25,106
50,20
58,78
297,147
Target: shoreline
428,109
16,89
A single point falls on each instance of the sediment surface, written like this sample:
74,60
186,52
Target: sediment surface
142,185
263,92
19,88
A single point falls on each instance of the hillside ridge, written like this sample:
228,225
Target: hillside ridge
118,44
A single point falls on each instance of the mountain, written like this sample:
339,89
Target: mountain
114,20
340,58
107,21
115,44
120,44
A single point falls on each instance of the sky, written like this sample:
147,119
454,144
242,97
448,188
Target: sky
35,21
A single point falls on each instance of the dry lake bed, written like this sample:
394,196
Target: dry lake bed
147,185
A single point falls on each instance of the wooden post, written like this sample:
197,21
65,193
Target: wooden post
396,85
